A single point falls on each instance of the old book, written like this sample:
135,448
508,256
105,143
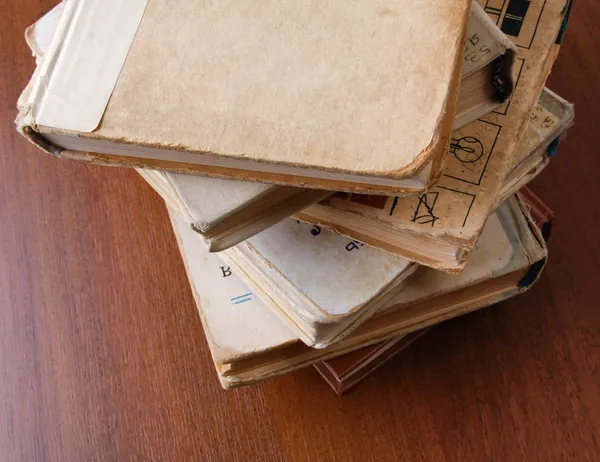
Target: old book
273,108
440,228
249,343
542,215
344,372
364,217
548,124
225,212
320,284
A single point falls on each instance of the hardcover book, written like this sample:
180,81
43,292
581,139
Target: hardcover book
542,215
548,124
344,372
441,227
320,284
225,212
290,98
249,342
377,222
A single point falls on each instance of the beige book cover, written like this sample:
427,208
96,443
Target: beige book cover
439,228
249,343
289,97
320,284
226,212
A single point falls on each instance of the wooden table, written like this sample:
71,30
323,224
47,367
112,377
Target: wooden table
102,355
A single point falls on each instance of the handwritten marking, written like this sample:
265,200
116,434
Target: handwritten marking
474,50
242,298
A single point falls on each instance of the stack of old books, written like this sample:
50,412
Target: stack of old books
339,175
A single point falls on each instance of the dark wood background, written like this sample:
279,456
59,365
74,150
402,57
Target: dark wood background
102,355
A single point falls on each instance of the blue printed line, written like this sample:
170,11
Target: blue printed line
242,296
242,301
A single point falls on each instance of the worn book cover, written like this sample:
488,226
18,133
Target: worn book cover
290,97
320,284
225,212
357,215
452,214
548,124
249,342
344,372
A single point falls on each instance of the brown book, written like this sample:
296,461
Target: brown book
346,371
541,214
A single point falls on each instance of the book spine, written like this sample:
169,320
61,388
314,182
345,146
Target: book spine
540,258
541,214
565,23
25,120
532,275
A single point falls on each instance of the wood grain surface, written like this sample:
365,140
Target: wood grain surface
102,355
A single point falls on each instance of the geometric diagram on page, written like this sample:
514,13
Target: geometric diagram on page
470,150
518,19
517,69
440,207
424,212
